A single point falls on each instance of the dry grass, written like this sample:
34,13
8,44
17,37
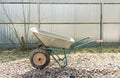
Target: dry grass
6,55
15,54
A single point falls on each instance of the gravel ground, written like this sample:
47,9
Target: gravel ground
81,65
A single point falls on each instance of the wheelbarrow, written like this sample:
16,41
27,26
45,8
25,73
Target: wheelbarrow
52,43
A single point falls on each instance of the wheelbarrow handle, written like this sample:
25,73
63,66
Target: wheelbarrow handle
89,37
80,45
100,41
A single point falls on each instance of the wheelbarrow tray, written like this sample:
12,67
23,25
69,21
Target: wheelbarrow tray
53,39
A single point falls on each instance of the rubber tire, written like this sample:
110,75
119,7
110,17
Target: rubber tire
47,58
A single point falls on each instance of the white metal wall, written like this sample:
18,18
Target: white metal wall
71,14
111,14
75,31
86,15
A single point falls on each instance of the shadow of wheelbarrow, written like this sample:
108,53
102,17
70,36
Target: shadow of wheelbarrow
55,72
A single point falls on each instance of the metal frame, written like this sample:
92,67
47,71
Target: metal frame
74,46
101,23
63,23
101,20
56,3
38,15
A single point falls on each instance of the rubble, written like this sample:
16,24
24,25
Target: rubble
80,66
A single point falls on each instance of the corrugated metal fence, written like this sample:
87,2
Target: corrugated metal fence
74,18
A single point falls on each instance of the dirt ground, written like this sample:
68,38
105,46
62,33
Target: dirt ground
80,65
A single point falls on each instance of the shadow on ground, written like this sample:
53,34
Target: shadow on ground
70,73
52,73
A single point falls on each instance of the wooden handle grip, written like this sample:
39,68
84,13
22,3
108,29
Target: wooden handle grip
99,41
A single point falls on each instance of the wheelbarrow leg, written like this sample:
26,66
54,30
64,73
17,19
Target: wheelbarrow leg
64,59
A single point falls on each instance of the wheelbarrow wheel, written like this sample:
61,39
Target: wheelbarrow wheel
40,59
